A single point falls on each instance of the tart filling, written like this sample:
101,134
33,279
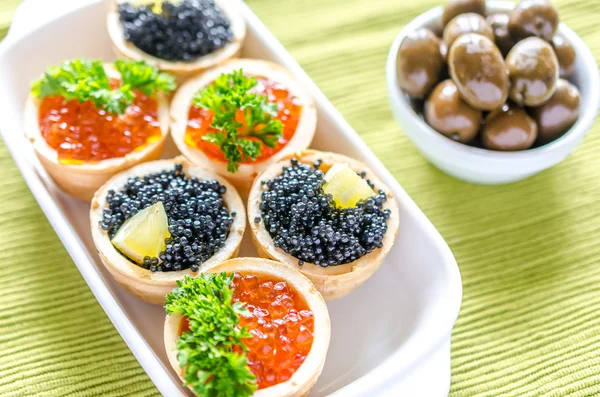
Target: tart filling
238,118
309,224
248,327
182,37
276,324
198,220
176,31
269,131
280,323
87,116
82,132
210,340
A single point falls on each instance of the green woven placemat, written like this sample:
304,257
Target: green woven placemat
529,252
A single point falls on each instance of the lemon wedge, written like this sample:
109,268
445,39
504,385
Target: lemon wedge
345,186
143,234
156,5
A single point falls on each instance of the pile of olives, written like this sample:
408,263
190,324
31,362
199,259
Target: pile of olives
497,80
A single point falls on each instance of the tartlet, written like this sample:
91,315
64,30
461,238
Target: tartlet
82,180
153,286
242,179
181,70
332,281
307,374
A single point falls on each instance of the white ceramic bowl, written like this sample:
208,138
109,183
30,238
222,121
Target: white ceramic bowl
483,166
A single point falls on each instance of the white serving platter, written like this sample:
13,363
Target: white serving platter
391,337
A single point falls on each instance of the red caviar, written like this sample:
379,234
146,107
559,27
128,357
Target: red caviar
289,110
80,132
281,323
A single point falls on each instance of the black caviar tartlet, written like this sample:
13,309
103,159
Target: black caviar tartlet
293,221
206,222
181,37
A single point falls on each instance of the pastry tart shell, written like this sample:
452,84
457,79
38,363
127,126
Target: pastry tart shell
82,180
246,173
181,70
306,375
153,286
332,281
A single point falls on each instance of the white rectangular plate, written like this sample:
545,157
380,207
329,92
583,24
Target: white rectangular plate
391,337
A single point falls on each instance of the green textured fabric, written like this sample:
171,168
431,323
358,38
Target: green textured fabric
529,252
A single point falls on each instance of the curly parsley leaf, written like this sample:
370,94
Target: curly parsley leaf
86,80
206,354
229,95
144,77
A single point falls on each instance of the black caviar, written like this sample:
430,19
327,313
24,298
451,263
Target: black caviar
182,31
199,222
306,223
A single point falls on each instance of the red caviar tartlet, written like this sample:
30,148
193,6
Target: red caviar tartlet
163,220
80,143
262,115
275,325
325,214
181,69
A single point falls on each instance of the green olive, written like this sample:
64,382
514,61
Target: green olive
533,71
533,18
565,53
457,7
479,72
499,24
467,23
559,113
447,113
420,63
508,128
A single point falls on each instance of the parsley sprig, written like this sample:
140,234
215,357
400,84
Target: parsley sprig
86,80
212,368
229,94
